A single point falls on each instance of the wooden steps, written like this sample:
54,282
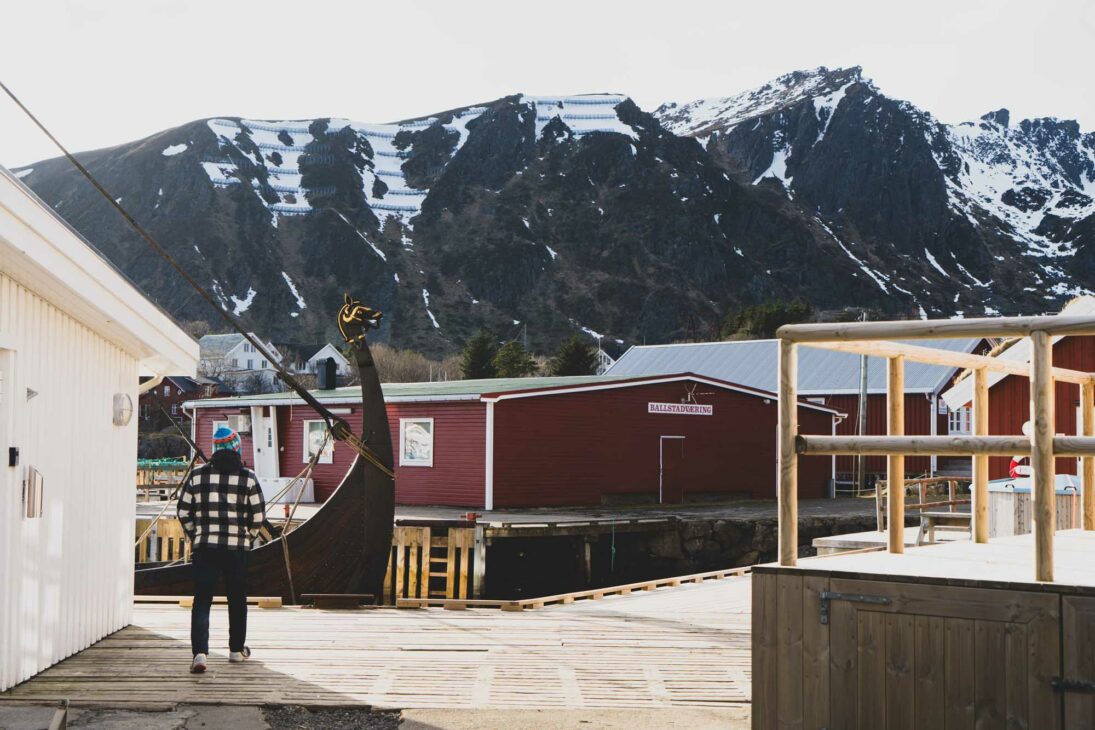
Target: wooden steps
434,562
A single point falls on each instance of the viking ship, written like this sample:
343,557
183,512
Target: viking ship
344,547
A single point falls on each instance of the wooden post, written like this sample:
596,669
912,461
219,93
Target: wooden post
980,461
1087,409
788,458
895,463
479,562
1041,454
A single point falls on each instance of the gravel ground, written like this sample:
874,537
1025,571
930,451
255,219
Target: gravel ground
301,718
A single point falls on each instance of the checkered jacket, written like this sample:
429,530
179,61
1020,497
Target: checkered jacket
222,507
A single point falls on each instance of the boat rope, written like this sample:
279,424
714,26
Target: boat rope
338,427
304,475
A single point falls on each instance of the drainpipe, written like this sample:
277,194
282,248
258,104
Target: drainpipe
933,400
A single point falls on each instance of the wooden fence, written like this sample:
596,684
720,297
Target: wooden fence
426,562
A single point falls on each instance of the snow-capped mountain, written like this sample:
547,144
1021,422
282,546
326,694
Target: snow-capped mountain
584,213
987,204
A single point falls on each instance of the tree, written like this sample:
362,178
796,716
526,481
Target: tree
478,356
197,328
513,361
762,320
575,357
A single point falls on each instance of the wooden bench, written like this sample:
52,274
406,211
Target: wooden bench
339,600
946,521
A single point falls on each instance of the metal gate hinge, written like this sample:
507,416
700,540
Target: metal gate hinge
827,596
1066,684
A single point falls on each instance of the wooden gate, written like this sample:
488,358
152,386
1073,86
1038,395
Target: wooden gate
877,654
1078,635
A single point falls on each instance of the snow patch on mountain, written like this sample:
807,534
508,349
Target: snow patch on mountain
293,288
1019,175
281,144
426,299
702,117
875,276
175,149
778,168
242,305
583,114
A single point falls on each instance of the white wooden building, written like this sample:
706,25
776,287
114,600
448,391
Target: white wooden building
75,335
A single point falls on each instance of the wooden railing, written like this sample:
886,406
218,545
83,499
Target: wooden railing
922,486
880,339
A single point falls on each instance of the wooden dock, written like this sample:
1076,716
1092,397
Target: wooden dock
685,645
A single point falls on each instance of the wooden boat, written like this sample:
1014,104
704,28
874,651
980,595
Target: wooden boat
345,546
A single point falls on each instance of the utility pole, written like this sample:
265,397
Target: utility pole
861,422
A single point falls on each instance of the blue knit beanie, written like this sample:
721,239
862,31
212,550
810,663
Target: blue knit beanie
226,438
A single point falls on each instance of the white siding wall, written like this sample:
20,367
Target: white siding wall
66,579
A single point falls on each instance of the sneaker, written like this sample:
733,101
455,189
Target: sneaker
198,665
239,656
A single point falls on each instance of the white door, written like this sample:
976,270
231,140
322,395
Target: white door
264,438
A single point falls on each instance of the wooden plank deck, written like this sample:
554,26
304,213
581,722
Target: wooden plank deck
673,646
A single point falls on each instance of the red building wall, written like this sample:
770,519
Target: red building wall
1009,401
918,415
543,445
457,476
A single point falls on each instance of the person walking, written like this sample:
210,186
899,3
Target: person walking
221,510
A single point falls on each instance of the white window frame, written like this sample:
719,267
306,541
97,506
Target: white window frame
328,455
403,423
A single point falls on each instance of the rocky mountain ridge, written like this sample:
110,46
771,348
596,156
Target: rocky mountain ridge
585,213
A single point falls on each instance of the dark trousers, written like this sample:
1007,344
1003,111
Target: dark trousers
209,564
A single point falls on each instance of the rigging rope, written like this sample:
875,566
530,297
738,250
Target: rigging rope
338,427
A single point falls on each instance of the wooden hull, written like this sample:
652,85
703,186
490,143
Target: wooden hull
343,548
325,552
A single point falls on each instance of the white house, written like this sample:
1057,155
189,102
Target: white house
308,358
235,360
75,336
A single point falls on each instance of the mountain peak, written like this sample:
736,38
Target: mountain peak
1000,116
702,117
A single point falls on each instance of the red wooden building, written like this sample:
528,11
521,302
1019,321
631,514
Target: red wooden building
825,377
1009,395
542,441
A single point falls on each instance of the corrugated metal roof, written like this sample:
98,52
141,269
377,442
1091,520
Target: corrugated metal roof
754,363
395,392
214,346
490,389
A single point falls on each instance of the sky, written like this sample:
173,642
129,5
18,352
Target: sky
111,71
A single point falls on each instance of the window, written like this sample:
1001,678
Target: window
960,420
235,362
145,411
416,442
167,390
250,364
174,409
263,364
314,434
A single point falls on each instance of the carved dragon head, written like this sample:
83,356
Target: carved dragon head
355,319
